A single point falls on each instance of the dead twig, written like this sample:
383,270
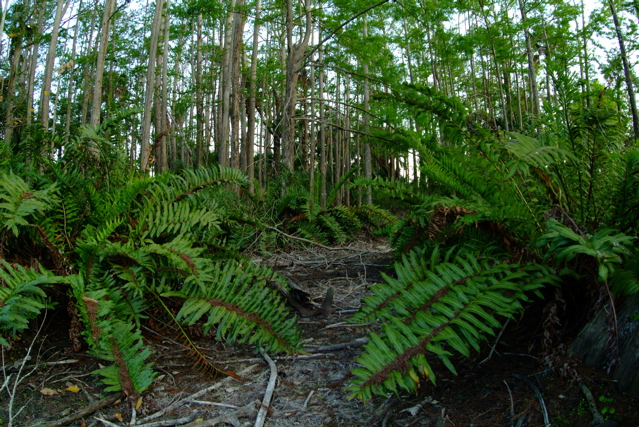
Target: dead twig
596,415
174,422
194,396
247,411
534,388
301,239
308,398
492,350
512,403
268,394
356,343
94,407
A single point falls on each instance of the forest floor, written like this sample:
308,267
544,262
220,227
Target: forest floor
310,389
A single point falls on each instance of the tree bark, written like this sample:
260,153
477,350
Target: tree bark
295,59
96,109
145,139
48,70
532,73
368,163
250,165
626,70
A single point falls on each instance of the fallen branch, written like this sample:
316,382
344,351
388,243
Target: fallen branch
356,343
279,358
194,396
94,407
246,411
492,350
592,406
268,394
534,388
174,422
301,239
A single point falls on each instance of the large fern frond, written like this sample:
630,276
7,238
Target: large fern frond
18,201
22,296
239,303
437,307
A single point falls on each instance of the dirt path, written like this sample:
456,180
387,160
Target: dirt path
310,389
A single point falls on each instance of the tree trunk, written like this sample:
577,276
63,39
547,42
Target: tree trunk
322,134
199,98
294,62
252,99
164,129
626,70
236,77
226,87
532,73
368,163
96,109
70,92
34,62
145,139
48,70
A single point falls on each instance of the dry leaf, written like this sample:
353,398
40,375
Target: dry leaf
73,389
138,403
118,416
83,424
48,392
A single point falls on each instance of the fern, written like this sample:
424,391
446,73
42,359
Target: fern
604,247
22,296
624,280
20,202
437,306
241,307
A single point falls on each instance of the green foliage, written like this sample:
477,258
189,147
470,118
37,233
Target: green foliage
20,203
604,247
242,305
302,214
22,297
123,245
437,305
488,197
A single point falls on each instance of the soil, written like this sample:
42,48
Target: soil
504,385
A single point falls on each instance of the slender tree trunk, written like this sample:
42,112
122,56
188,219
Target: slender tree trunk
199,97
322,134
145,138
294,62
70,92
15,54
368,163
532,73
34,62
164,129
96,109
2,19
626,70
48,70
87,71
226,86
236,80
252,99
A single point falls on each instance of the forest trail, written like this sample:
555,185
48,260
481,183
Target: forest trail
310,389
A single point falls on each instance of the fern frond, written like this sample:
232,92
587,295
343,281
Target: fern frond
332,194
130,372
436,307
22,296
19,201
242,308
